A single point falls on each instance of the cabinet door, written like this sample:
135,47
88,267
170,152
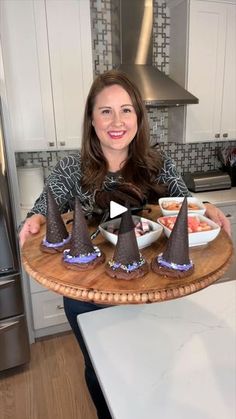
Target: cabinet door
230,212
69,35
228,122
47,309
207,36
27,73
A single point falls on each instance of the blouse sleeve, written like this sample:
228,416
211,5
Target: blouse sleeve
170,176
63,181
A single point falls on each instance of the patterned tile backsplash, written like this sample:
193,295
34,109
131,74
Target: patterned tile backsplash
188,157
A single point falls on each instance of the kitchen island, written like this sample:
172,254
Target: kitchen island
172,360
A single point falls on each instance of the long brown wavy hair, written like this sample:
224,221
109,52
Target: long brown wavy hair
143,162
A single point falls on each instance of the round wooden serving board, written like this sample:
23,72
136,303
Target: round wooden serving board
210,261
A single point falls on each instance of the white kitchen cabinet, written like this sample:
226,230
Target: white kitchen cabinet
47,311
230,212
203,60
47,57
226,201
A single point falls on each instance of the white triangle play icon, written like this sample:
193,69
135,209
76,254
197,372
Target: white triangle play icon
116,209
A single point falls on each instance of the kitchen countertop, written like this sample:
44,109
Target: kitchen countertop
221,197
172,360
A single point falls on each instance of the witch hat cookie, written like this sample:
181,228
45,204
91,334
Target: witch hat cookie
81,254
174,261
127,262
57,235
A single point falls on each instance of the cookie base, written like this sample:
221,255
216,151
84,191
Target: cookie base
84,266
173,273
121,274
52,250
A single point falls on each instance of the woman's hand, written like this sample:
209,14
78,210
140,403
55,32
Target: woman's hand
216,215
32,225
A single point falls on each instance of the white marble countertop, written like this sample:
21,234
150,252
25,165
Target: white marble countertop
222,197
170,360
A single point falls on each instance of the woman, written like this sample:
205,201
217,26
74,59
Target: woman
116,163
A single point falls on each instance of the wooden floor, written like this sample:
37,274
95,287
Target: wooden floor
52,386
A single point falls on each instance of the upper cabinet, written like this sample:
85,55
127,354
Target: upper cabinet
47,58
203,59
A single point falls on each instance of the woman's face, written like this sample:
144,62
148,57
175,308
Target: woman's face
114,119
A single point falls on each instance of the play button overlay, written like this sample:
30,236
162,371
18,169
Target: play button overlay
116,209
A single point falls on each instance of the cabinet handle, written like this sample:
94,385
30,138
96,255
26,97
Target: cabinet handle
217,135
225,135
4,283
62,143
51,143
60,307
8,325
228,215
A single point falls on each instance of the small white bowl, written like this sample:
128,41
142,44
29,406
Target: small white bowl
198,238
143,241
191,200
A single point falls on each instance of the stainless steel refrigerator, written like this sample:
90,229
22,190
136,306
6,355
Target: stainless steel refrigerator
14,342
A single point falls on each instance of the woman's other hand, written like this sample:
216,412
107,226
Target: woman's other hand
31,226
216,215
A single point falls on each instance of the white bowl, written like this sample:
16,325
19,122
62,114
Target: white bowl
191,200
198,238
143,241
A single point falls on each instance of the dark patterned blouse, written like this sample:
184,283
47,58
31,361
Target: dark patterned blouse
64,181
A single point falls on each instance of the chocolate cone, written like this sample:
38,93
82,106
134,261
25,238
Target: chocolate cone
177,250
80,239
126,250
55,227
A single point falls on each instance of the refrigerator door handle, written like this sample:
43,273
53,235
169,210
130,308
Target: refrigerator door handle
6,282
4,327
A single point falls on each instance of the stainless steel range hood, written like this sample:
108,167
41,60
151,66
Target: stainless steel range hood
132,45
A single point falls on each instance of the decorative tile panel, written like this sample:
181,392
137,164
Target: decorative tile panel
101,35
161,35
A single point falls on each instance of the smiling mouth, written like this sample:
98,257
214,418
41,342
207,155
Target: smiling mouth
116,134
